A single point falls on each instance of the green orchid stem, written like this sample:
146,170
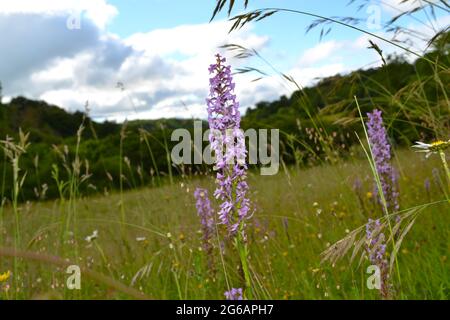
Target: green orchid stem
444,163
241,247
243,254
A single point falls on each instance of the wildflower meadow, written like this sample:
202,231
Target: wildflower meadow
340,190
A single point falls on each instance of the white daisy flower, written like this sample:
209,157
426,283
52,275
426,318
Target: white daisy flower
92,237
430,148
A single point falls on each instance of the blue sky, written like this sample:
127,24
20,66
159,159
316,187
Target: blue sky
160,50
143,15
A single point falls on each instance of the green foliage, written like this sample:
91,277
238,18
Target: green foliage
413,98
316,125
299,214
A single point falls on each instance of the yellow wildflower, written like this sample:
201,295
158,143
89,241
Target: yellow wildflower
5,276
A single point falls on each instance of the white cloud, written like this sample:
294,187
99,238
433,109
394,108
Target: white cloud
191,40
397,6
58,70
98,11
416,39
308,76
324,50
165,71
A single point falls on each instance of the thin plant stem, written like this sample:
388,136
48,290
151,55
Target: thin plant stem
243,255
57,261
2,196
122,205
445,165
168,157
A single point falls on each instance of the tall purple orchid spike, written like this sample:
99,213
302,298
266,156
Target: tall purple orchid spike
381,150
376,249
206,213
234,294
228,143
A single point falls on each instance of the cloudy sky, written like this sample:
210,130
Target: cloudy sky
67,52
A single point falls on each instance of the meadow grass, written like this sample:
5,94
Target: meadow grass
299,214
146,243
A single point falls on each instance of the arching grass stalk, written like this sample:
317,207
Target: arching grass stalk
262,13
64,263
